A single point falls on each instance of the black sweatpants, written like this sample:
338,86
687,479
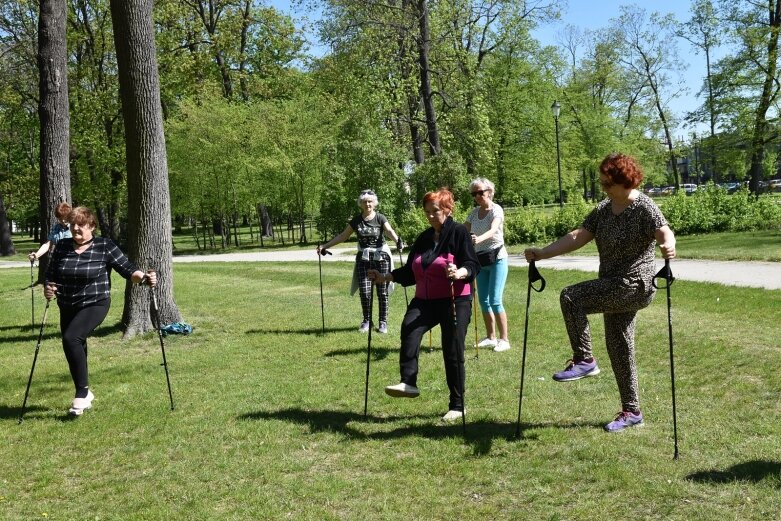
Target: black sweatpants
76,324
423,315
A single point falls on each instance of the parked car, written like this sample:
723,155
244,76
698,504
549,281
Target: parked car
689,188
668,190
774,185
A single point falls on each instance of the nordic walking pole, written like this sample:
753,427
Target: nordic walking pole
162,343
401,263
667,275
534,276
461,378
320,266
32,292
369,347
474,307
35,359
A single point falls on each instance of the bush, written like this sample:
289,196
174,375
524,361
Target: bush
525,226
712,210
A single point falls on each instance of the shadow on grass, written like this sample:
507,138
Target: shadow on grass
52,331
317,331
378,353
12,412
752,471
479,435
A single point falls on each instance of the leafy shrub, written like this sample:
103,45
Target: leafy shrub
525,226
568,218
712,210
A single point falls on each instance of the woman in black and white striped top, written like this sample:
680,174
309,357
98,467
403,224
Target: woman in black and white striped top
79,276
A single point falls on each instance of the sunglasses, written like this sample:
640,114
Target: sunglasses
367,192
478,192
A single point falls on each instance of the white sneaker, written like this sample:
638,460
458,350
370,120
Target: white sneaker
452,415
502,345
81,404
402,390
487,342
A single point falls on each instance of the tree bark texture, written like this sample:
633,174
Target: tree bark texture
6,242
761,126
149,206
54,115
426,92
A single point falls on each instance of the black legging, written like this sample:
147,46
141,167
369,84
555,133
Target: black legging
423,315
76,324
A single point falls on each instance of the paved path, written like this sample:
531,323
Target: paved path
748,274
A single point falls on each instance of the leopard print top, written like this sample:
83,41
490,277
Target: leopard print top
626,241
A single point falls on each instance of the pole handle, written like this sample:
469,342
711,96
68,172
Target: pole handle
534,276
666,274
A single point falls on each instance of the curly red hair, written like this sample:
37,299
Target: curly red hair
621,169
443,198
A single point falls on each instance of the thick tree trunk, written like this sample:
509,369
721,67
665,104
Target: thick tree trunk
426,92
769,84
266,229
54,115
149,205
6,241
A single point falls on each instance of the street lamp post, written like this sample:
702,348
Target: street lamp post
556,109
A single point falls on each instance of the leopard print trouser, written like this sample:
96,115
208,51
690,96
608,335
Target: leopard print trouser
618,300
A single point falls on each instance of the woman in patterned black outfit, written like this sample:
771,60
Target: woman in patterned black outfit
371,227
625,227
78,274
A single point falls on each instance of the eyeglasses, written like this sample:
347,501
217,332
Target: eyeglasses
478,192
367,192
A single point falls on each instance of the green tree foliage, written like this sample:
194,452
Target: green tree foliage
226,158
747,79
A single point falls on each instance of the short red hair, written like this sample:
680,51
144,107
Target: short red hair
62,211
622,170
442,198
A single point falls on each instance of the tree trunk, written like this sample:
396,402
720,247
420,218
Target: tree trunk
149,205
266,229
426,92
6,241
54,115
769,84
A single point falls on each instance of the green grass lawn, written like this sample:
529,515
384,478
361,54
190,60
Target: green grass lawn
269,412
747,246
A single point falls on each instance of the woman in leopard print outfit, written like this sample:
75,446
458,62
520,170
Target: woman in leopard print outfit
625,226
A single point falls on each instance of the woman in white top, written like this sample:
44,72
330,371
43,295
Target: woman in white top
486,223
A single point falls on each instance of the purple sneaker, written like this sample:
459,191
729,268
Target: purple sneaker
577,370
623,420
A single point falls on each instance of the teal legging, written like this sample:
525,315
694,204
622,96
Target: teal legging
490,286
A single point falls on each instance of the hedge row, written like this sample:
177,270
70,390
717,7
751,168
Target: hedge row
707,210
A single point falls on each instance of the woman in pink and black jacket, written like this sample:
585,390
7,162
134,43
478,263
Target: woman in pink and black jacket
441,254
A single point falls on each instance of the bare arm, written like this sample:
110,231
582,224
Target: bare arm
665,238
495,224
570,242
389,232
336,240
41,251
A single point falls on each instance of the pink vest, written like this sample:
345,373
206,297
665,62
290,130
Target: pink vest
432,283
